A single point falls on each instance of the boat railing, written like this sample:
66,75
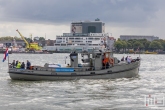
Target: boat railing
77,69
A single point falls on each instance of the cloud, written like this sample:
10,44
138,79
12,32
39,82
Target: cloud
55,11
135,15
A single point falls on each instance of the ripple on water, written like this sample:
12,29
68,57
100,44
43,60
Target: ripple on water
123,93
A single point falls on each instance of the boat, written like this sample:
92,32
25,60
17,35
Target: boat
2,51
96,64
31,52
147,52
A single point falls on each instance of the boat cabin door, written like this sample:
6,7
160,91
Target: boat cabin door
74,59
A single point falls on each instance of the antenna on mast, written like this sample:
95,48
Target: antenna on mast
31,38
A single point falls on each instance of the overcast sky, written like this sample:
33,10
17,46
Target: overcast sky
53,17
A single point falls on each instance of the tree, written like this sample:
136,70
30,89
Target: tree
129,45
154,45
162,43
138,44
146,45
118,45
41,39
124,45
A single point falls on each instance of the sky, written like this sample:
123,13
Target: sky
48,18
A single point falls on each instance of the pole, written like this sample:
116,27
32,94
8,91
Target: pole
8,59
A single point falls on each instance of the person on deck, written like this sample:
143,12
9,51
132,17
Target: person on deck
126,58
18,65
129,59
28,64
13,64
23,65
122,59
107,65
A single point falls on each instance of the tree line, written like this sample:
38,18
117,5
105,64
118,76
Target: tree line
18,38
141,44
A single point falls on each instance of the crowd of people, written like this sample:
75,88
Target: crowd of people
19,65
129,59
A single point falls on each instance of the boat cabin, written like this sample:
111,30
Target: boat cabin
95,60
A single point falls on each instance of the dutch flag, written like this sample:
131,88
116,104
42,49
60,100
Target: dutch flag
6,54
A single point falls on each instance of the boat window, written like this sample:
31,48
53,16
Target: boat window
57,44
63,44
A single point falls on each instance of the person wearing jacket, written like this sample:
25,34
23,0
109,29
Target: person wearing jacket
23,65
18,65
28,64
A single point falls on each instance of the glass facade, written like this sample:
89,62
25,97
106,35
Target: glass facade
91,29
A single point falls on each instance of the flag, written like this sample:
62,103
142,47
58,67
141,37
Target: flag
6,54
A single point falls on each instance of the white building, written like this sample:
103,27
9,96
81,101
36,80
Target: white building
148,37
84,36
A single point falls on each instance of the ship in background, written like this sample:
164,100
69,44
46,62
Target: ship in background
3,49
84,35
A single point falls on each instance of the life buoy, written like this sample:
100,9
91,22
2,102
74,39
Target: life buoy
31,67
111,61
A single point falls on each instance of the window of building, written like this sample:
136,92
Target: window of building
91,29
97,38
57,44
63,44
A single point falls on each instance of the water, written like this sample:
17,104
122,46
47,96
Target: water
124,93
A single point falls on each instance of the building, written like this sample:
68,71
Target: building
8,43
85,35
111,42
88,27
148,37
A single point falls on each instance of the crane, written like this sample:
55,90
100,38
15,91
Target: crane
27,44
30,46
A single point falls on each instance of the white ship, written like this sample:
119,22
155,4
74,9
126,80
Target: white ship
84,35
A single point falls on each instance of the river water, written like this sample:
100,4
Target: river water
116,94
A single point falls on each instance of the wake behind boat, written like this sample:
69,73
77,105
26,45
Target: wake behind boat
95,65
